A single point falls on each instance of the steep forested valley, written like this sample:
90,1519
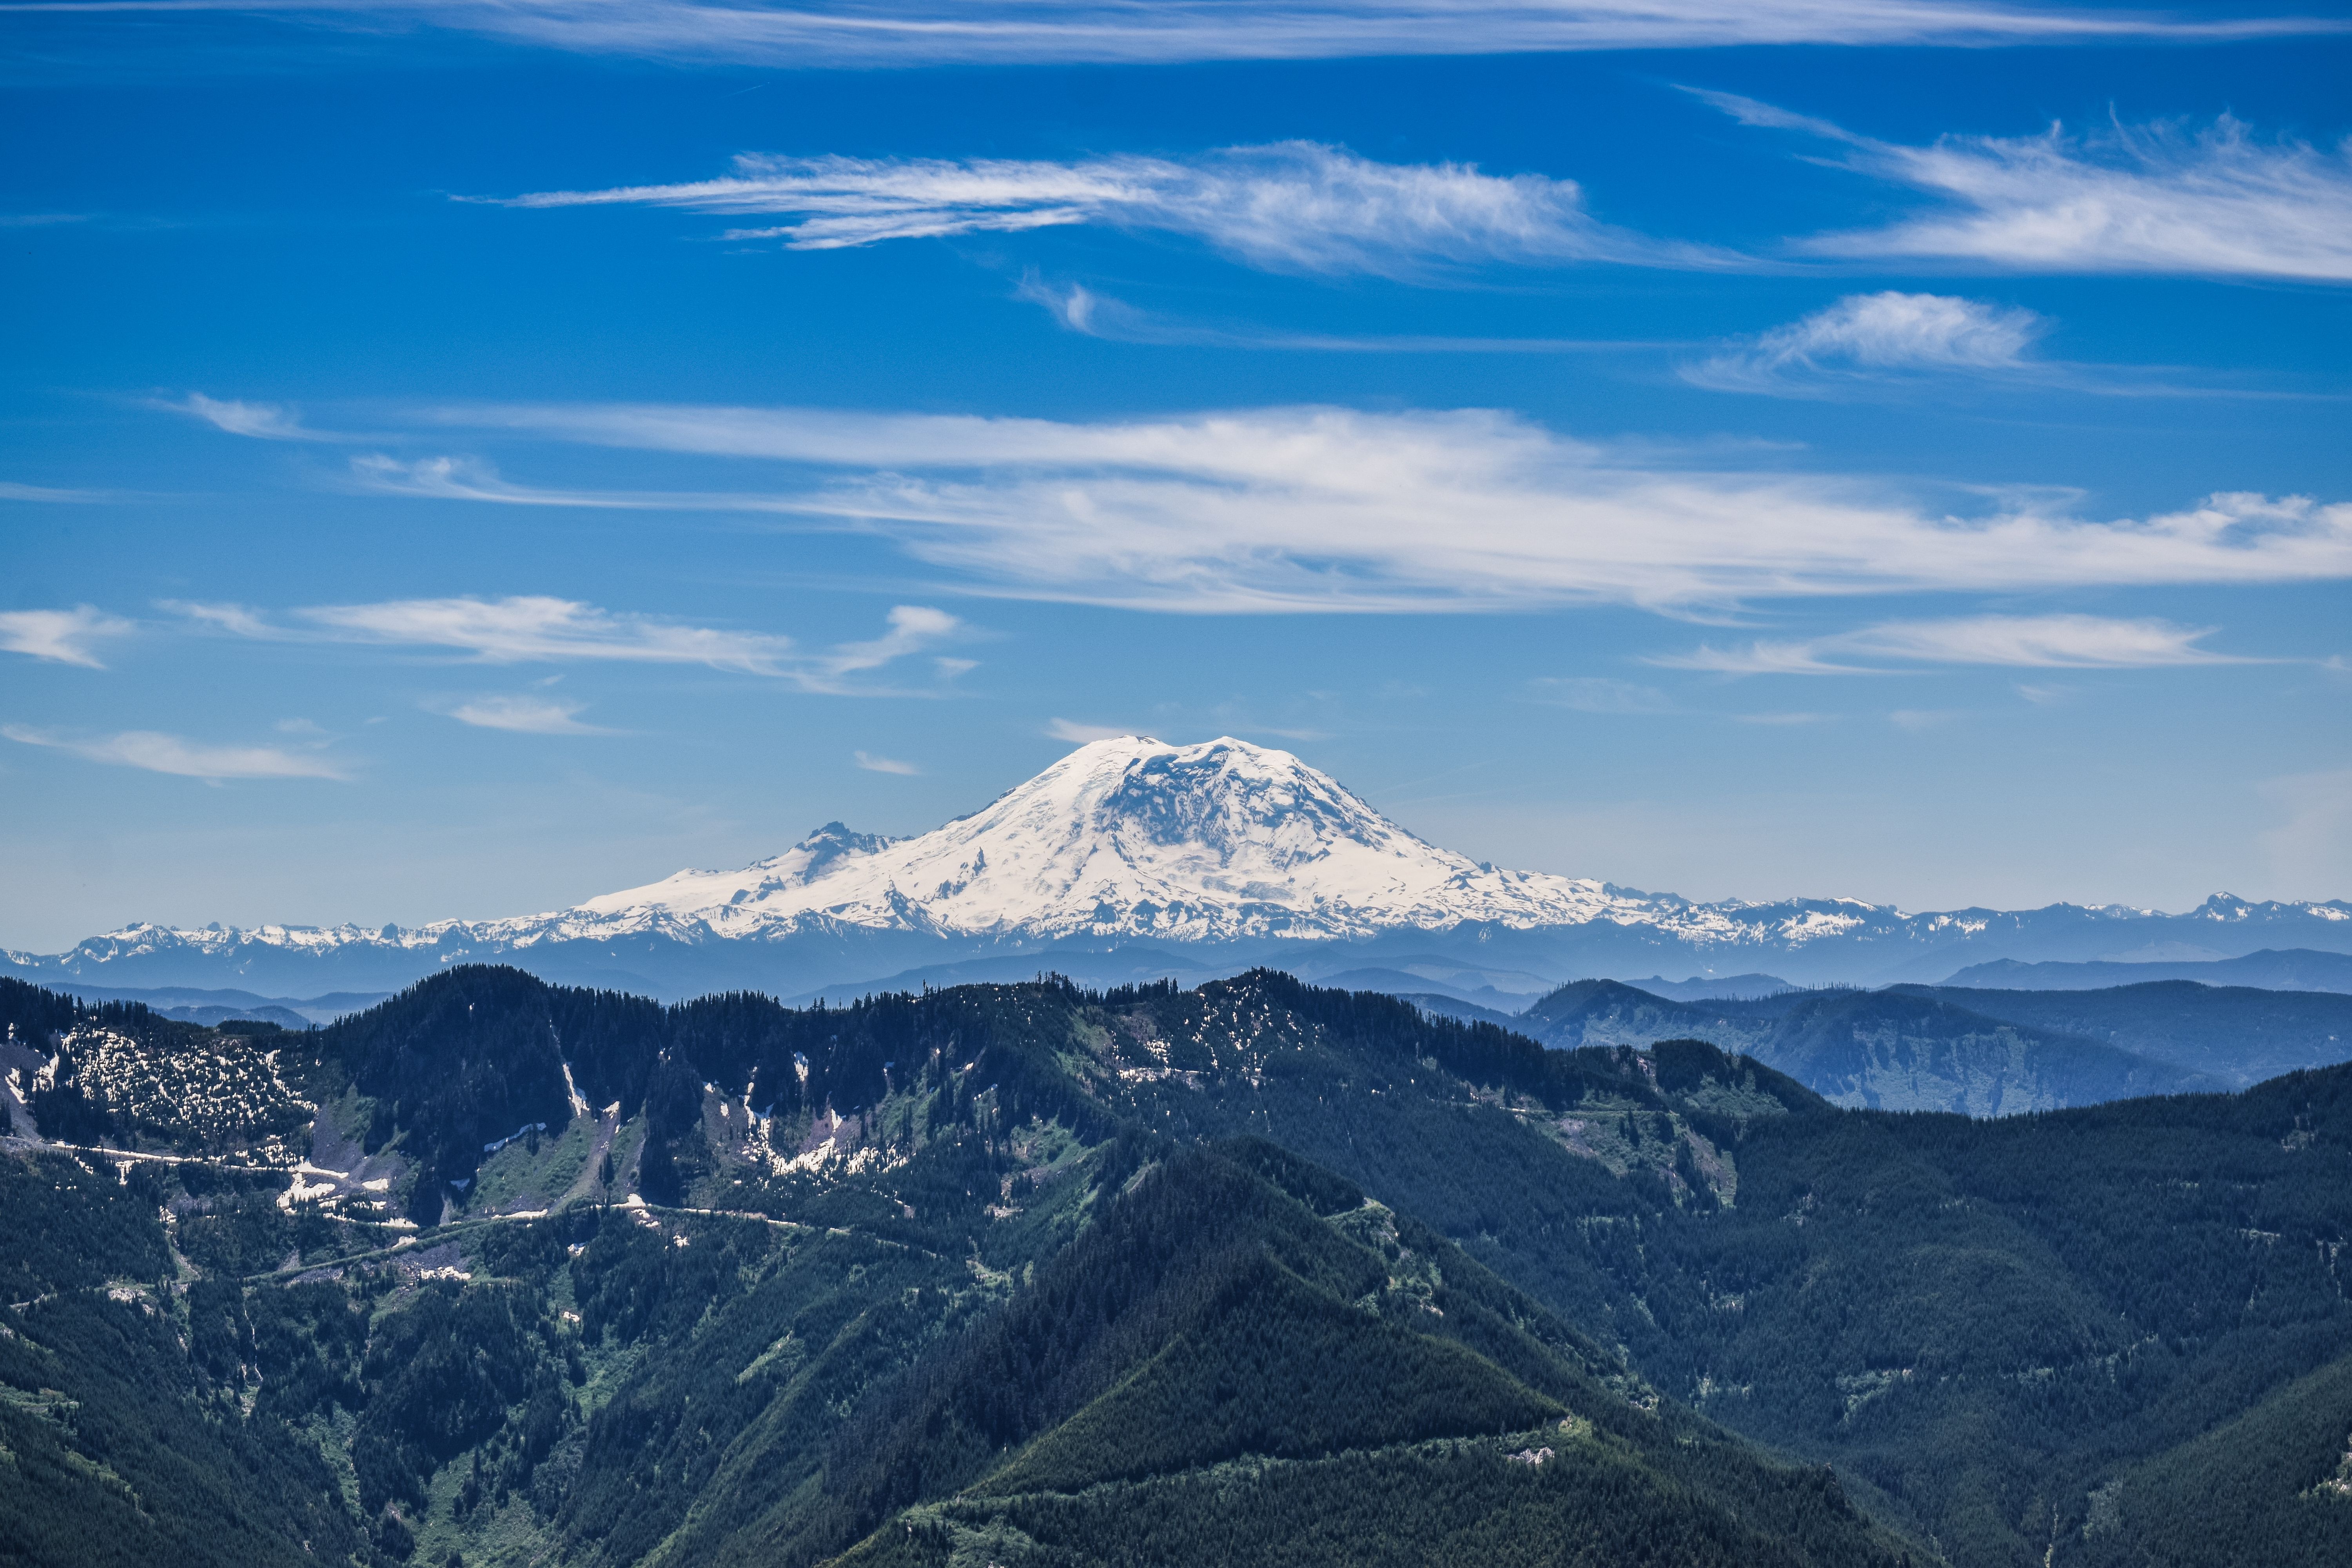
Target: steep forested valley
501,1272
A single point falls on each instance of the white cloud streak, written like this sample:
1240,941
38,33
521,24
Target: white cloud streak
1599,694
467,478
2036,642
162,753
235,619
874,764
262,421
913,629
1081,310
2164,198
11,490
61,637
1329,509
539,629
902,33
472,480
523,715
1873,336
1293,206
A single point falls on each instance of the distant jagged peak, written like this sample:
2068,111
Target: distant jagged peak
2230,907
819,853
812,857
831,842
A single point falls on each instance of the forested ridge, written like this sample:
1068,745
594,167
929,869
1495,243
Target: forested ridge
1255,1272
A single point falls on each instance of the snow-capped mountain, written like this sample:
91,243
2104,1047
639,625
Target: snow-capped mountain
1131,857
1219,841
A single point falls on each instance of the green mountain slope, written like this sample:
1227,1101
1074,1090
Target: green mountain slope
2272,1486
1309,1398
115,1444
1256,1271
1976,1319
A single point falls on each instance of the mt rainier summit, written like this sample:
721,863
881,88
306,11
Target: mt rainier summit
1215,843
1130,858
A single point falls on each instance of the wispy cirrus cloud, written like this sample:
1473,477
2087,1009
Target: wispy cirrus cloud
61,637
1871,337
522,715
1599,694
160,753
470,478
544,629
12,490
1081,310
1291,207
235,619
875,765
2038,642
913,629
1333,509
533,628
2213,200
905,33
262,421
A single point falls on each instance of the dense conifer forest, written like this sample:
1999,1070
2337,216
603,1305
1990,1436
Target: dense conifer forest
499,1272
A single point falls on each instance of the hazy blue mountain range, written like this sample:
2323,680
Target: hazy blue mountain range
1888,1050
203,1006
2238,1034
2298,969
1131,859
1975,1051
1034,1276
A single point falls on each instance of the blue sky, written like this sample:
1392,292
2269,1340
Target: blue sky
457,459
